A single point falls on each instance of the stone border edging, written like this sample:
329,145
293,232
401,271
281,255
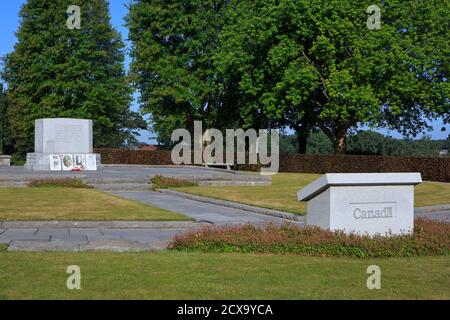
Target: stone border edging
235,205
100,224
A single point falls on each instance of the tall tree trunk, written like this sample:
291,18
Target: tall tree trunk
340,143
302,138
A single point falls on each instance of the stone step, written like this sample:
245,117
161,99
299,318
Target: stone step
123,186
13,184
101,180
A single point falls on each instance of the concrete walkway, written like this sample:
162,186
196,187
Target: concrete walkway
38,237
201,211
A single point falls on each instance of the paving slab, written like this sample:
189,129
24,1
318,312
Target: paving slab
22,234
74,239
36,246
442,216
53,233
98,224
90,233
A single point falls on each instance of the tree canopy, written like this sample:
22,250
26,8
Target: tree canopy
173,48
315,63
368,143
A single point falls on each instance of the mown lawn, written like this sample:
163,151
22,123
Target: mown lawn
282,194
218,276
18,204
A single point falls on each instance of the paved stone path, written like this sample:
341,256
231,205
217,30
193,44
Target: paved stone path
87,239
201,211
443,215
125,236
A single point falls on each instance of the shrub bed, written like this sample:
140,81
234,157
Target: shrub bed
429,238
60,183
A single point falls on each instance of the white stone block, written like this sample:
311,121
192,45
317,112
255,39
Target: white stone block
5,161
62,135
363,203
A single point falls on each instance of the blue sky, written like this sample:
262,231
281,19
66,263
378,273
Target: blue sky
9,20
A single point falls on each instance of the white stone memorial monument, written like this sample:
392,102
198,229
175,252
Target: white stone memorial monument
362,203
5,161
63,144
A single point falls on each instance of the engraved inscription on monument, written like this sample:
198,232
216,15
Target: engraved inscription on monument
373,210
362,203
68,133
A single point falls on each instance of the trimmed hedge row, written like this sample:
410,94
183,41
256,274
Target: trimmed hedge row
137,157
432,169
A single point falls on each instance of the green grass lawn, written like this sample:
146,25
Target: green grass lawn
218,276
282,194
19,204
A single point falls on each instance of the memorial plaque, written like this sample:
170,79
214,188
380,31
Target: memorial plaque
363,203
55,162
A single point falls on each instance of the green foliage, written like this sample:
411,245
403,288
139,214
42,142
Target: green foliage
429,238
174,43
3,247
5,131
315,63
59,183
318,143
57,72
368,143
161,182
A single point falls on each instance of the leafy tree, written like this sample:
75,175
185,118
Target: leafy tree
318,143
56,71
372,143
315,63
5,131
368,143
173,47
